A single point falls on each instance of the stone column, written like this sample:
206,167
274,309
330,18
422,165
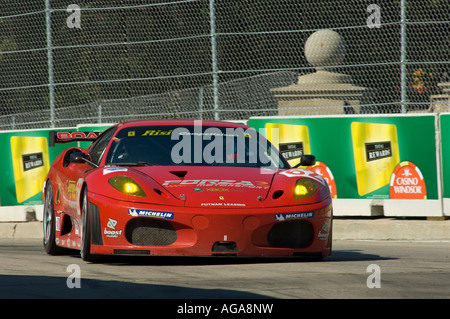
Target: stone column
322,92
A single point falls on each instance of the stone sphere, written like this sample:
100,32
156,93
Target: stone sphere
325,48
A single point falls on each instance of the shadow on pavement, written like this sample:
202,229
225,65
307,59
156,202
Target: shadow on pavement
42,287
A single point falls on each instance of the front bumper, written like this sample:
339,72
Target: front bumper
125,228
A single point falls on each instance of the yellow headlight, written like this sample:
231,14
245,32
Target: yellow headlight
304,188
126,185
301,190
131,188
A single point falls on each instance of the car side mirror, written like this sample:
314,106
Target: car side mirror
77,157
306,160
80,157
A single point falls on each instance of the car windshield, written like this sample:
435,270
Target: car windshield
192,145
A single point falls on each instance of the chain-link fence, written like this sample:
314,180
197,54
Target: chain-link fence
79,61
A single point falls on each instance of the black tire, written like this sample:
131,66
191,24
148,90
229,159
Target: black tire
86,230
49,229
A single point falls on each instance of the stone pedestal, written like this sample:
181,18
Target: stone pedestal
441,102
322,92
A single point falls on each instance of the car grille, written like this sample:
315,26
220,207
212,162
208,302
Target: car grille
291,234
150,232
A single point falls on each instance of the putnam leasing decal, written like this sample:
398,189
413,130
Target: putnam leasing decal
223,204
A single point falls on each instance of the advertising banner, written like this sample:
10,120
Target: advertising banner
25,161
362,157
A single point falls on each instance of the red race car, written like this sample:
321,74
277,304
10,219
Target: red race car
183,187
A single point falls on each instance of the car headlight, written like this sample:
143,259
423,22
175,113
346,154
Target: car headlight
126,185
304,188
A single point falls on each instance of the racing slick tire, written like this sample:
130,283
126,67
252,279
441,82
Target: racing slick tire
86,230
49,227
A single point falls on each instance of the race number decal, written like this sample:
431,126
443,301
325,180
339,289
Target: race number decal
304,173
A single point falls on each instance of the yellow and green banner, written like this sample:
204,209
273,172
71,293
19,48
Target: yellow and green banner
26,159
377,157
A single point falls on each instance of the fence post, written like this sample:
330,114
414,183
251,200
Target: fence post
403,57
212,18
200,103
99,113
51,85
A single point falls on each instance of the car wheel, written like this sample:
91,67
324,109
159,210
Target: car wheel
49,229
86,230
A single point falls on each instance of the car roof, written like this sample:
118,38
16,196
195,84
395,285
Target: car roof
180,122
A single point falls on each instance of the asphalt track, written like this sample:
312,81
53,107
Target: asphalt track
362,269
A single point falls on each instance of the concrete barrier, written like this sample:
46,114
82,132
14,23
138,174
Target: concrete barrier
391,229
21,230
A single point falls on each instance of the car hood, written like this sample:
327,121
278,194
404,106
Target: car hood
214,187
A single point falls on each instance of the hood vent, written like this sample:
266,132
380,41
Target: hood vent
277,194
180,174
